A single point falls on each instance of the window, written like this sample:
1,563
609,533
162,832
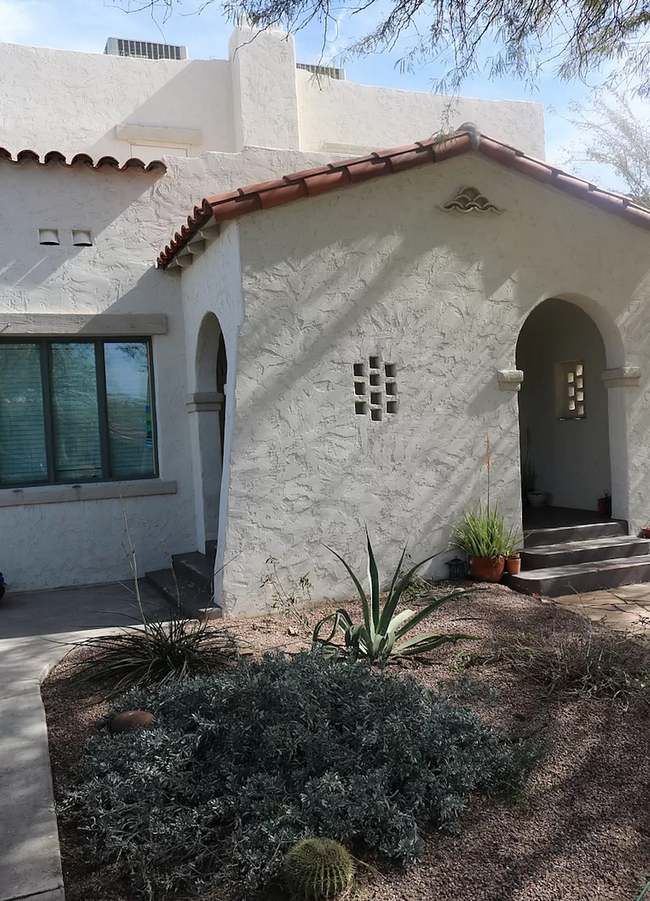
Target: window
571,390
75,411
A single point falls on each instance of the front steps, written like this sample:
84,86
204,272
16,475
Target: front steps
188,584
580,558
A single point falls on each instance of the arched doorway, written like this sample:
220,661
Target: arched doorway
209,405
563,413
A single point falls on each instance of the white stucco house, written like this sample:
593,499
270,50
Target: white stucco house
327,340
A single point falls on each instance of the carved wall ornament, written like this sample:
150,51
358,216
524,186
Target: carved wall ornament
470,200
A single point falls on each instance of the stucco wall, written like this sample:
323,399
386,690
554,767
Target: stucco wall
54,544
69,101
379,268
131,215
346,113
570,456
72,102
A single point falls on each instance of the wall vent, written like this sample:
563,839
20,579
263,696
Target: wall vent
144,49
329,71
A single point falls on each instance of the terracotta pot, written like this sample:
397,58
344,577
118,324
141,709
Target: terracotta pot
513,565
488,569
646,532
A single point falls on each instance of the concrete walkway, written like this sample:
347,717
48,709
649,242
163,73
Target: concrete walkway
625,609
36,629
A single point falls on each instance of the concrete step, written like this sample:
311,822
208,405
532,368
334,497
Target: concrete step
182,592
197,567
582,577
569,553
589,532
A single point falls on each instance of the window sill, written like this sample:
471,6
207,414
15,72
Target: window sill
97,491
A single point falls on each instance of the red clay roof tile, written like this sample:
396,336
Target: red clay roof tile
53,156
312,182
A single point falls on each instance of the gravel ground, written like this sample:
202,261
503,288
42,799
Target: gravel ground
581,830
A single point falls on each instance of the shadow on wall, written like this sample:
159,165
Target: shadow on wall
173,106
447,471
62,199
324,282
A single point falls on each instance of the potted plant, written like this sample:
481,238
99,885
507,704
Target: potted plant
536,498
605,505
645,531
487,541
513,564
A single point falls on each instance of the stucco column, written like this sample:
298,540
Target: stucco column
622,384
205,409
263,65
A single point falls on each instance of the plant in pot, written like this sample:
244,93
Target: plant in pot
645,531
605,505
487,541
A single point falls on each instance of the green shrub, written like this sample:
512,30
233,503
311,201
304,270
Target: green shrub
380,635
156,652
318,868
483,533
240,766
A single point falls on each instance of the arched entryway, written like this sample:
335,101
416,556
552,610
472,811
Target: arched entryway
210,407
563,411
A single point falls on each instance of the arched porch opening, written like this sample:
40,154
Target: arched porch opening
211,368
564,416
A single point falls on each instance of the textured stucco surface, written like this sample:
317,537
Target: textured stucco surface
131,216
72,102
379,268
346,113
49,545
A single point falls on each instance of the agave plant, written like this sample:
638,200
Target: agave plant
382,634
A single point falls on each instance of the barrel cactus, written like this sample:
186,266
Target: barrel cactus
318,868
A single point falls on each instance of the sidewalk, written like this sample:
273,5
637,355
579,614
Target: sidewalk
35,631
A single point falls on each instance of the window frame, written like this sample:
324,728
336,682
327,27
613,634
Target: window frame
45,350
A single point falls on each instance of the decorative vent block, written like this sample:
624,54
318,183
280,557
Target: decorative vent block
571,390
470,200
375,388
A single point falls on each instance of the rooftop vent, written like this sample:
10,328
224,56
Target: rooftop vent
329,71
144,49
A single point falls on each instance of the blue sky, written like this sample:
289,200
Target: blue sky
85,25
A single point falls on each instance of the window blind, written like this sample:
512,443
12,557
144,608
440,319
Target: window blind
75,411
77,450
23,457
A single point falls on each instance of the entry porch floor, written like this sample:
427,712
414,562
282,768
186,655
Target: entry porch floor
557,517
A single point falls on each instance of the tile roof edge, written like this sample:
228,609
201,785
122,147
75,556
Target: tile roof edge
55,156
321,179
